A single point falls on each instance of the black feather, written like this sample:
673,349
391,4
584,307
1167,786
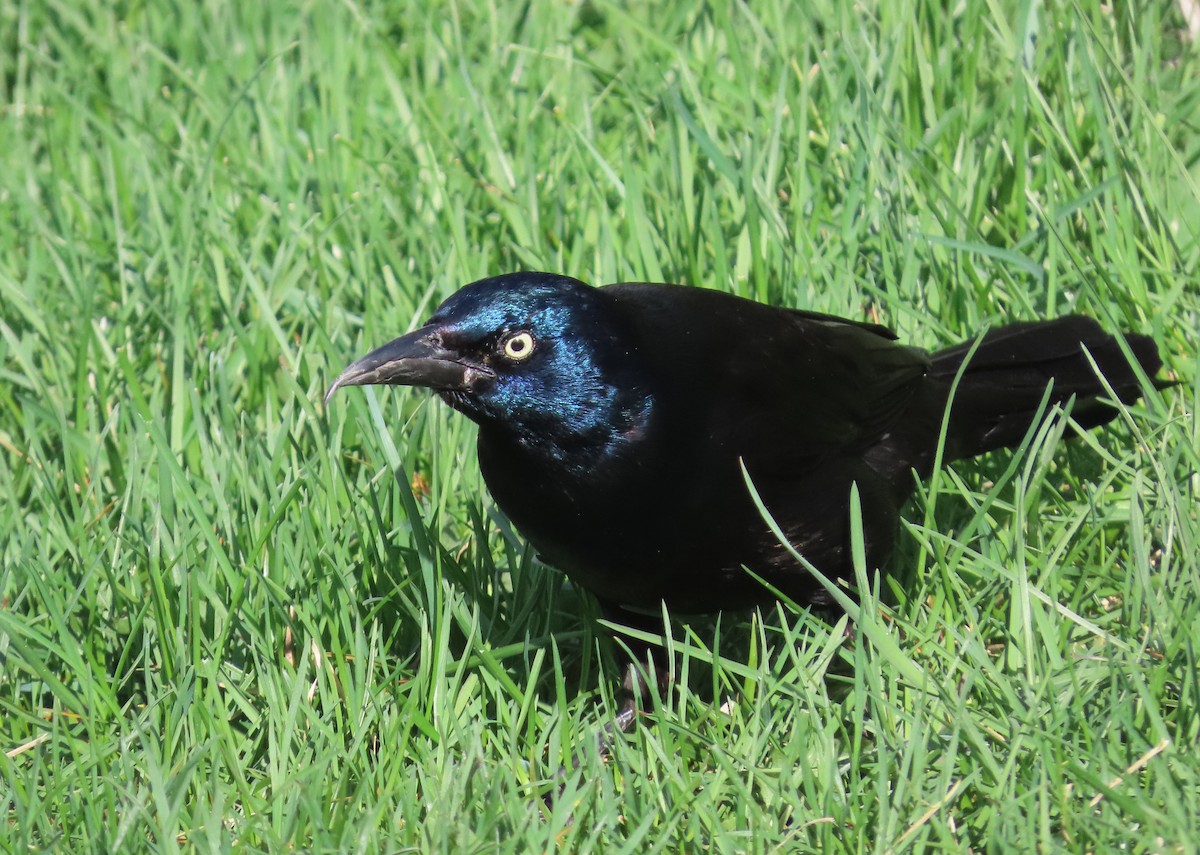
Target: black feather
614,438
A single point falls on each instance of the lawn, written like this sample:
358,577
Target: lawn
234,619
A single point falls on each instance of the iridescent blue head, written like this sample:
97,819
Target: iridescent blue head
540,357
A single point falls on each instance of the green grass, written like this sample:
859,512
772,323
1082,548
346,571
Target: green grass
227,619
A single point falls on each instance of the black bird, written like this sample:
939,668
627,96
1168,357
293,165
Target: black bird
614,422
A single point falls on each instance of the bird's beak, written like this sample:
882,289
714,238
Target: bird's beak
416,359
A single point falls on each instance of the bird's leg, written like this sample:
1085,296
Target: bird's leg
633,692
645,664
646,661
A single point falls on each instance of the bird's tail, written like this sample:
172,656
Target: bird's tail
1005,379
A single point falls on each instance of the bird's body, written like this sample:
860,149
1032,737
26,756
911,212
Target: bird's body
659,511
614,424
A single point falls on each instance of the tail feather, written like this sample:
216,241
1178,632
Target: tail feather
1005,380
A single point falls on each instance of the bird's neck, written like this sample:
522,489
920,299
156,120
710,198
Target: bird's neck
572,443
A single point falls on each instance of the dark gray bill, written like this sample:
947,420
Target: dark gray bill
416,359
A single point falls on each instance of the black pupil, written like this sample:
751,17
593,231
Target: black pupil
517,345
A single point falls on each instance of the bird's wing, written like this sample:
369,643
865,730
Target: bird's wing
772,383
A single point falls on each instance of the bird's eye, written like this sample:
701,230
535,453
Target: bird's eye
518,346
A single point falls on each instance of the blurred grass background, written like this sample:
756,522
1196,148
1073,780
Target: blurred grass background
231,619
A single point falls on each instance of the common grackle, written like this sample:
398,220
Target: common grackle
613,423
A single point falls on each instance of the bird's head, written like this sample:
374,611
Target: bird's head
541,357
